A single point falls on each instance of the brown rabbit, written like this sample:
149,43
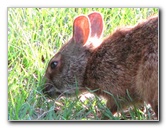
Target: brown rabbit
123,64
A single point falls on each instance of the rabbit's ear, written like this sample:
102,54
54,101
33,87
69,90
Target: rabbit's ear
81,29
96,21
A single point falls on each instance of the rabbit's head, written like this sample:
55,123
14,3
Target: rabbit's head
65,71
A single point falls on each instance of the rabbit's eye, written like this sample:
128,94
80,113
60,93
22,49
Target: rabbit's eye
54,64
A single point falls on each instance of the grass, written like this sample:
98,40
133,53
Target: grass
34,35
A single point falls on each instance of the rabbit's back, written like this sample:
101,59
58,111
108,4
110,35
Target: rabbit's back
127,60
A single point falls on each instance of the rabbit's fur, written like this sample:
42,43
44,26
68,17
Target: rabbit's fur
123,65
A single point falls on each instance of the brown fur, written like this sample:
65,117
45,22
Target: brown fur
125,63
127,60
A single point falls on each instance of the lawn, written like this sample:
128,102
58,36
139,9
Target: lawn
34,36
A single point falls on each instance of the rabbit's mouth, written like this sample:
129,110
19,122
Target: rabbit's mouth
53,91
49,90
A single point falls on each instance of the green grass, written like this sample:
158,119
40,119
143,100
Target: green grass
34,35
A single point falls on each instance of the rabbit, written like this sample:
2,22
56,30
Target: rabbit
122,65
